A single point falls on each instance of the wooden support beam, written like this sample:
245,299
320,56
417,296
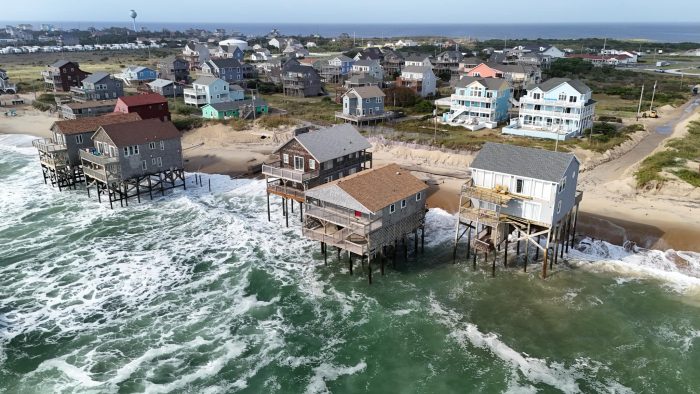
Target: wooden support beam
573,231
369,265
537,250
268,207
350,262
422,239
505,249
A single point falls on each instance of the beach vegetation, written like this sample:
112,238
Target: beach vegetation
184,123
673,160
273,122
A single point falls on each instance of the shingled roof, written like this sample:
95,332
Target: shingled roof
525,162
91,124
370,91
143,99
555,82
140,132
332,142
370,191
489,83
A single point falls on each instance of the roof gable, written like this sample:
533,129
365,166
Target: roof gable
373,189
333,142
140,132
525,162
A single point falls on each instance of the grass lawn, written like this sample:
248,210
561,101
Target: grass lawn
313,109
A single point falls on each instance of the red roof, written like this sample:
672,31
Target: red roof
143,99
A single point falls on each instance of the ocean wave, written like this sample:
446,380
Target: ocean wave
535,370
679,271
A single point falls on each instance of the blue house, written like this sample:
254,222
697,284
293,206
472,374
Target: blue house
479,103
345,63
138,75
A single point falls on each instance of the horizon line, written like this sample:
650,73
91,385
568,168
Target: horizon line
369,23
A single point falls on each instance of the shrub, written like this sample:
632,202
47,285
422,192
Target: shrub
187,123
402,97
424,106
47,98
239,124
41,106
273,122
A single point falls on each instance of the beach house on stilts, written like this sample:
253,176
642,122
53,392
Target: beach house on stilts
134,158
312,158
519,194
366,213
59,155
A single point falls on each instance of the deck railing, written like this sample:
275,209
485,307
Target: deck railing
339,239
94,156
47,145
362,225
288,173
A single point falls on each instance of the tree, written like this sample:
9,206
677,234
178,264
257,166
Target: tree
400,97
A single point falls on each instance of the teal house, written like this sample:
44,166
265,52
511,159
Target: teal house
235,109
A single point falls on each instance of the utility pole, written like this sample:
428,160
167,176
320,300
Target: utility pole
435,111
639,109
651,106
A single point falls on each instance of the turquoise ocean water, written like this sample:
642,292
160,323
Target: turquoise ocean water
197,292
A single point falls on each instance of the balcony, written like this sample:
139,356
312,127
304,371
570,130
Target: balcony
555,114
195,97
489,195
473,98
93,156
47,145
361,118
361,225
289,174
343,238
539,130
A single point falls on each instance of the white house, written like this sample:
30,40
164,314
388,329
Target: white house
369,67
211,90
558,108
195,53
541,184
421,80
260,56
234,42
406,43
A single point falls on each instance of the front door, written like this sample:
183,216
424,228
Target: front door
298,163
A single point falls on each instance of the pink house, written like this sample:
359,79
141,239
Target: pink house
484,71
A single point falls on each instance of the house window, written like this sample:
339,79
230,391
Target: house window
143,165
403,204
519,186
572,99
298,163
160,162
162,145
79,138
153,161
151,145
312,164
126,151
559,207
329,178
562,96
419,196
562,185
536,96
136,149
392,208
285,158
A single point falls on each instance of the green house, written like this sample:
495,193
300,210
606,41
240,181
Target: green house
234,109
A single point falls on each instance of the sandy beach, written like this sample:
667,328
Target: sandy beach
613,208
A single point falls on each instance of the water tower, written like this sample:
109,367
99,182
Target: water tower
133,17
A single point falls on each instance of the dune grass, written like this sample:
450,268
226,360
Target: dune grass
673,160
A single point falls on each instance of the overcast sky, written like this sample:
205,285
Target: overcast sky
354,11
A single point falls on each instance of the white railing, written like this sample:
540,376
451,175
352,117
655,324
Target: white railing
473,98
288,173
563,115
47,145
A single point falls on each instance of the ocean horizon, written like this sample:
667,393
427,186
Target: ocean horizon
657,32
